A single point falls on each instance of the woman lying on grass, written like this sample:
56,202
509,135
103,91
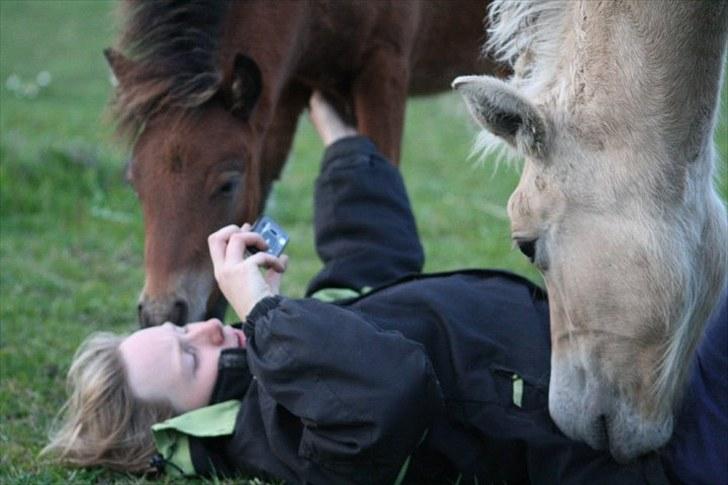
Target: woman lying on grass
403,377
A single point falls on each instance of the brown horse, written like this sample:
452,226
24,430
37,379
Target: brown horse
210,92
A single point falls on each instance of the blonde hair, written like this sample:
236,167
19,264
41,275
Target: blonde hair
102,423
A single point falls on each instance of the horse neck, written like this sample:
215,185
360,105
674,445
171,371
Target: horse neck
650,72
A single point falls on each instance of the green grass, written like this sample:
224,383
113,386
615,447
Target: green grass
70,230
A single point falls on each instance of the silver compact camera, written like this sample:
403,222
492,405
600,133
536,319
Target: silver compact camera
272,233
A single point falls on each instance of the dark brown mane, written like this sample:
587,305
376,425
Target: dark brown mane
173,47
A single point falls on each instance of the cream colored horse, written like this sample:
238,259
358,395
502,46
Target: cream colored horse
613,105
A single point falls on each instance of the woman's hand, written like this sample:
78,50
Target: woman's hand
330,126
238,276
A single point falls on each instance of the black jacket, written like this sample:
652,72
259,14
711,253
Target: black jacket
419,379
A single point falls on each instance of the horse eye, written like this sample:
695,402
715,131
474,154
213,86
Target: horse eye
527,247
228,187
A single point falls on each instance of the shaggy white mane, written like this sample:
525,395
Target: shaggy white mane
527,36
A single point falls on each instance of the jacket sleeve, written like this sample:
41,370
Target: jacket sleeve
365,230
364,398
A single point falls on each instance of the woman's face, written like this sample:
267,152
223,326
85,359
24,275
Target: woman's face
177,364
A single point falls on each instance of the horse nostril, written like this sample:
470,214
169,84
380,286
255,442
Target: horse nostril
143,316
178,315
527,247
601,432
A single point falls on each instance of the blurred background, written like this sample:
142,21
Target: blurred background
71,235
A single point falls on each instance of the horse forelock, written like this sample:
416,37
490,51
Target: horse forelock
527,36
174,48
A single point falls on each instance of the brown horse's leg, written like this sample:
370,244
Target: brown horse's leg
279,137
380,95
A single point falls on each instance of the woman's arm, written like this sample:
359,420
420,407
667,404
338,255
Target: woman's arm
362,398
335,398
364,226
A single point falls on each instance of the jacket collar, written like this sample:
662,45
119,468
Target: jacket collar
233,376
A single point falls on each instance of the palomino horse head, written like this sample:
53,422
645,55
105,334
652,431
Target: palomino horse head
613,107
190,181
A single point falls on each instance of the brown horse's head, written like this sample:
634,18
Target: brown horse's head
194,168
615,205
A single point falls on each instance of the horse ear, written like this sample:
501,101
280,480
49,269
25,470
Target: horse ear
505,113
121,66
246,86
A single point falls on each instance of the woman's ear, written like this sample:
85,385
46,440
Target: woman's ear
245,87
501,110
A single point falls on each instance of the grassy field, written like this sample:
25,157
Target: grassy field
71,233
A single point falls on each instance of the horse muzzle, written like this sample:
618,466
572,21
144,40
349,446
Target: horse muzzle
191,299
595,412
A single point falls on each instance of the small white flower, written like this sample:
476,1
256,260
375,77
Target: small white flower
13,82
43,79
